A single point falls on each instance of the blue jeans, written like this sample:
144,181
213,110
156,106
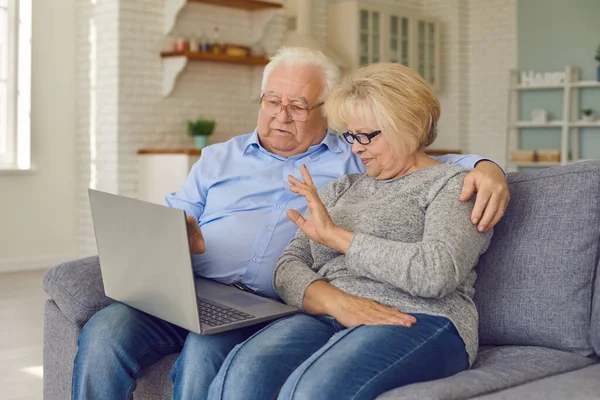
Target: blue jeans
119,341
306,357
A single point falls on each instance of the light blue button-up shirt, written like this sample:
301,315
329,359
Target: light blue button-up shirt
239,193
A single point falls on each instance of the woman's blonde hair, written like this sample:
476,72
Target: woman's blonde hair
402,104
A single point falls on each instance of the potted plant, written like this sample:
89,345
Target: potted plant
200,129
587,114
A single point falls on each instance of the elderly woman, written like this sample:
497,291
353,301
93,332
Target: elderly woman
382,266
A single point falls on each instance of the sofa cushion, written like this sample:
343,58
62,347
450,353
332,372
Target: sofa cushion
535,282
76,288
496,368
60,346
156,383
581,384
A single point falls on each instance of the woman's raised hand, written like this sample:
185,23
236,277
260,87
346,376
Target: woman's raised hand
318,225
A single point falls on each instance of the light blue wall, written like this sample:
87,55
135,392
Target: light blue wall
552,34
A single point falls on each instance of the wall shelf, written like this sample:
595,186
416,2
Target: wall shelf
545,87
261,13
580,84
529,124
195,56
249,5
586,84
174,63
585,124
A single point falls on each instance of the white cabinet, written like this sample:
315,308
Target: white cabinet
427,58
365,32
163,171
398,30
370,36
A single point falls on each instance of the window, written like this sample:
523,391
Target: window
15,83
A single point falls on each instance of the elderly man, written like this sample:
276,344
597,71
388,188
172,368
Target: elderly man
236,199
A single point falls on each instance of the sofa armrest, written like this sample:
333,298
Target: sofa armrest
77,289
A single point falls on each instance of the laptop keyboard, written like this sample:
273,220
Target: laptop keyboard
215,315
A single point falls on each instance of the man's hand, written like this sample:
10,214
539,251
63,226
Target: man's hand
488,180
194,235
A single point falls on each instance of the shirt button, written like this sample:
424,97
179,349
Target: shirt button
290,161
269,229
280,206
255,259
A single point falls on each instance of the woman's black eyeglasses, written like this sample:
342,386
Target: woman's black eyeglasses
362,138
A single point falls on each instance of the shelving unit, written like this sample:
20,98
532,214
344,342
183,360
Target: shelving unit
529,124
262,11
569,128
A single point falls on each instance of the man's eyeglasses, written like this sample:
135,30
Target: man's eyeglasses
362,138
295,112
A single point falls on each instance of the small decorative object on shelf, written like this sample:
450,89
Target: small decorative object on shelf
194,45
200,129
236,50
539,116
587,114
217,47
204,46
530,78
550,155
182,45
523,155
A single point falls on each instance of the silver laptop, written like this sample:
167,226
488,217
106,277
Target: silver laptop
146,263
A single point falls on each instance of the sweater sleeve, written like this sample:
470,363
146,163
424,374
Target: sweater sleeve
294,271
433,267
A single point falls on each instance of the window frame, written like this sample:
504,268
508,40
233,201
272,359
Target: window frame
18,151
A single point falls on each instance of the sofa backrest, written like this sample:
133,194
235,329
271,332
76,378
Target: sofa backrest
537,284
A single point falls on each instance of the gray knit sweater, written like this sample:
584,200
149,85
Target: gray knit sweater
414,247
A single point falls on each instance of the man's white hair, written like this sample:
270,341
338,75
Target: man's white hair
302,56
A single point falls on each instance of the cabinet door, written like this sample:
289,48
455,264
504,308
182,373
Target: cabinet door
398,40
370,37
427,62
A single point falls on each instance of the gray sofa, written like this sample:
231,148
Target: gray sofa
538,294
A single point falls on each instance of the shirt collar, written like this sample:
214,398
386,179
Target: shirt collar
331,141
252,143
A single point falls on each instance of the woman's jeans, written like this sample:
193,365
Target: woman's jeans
306,357
119,341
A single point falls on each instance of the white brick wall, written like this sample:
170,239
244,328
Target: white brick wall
97,107
453,16
492,54
131,113
125,110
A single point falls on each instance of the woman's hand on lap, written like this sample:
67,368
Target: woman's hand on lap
352,311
